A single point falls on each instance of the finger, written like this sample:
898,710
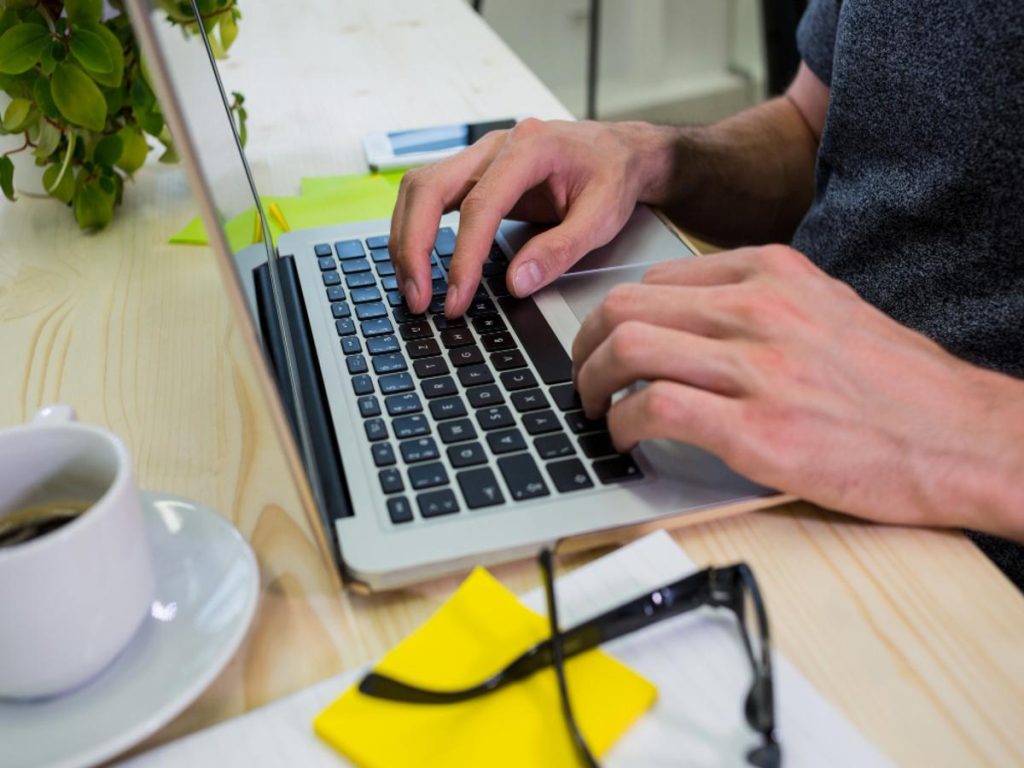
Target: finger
725,268
516,169
590,222
639,352
684,308
670,410
424,195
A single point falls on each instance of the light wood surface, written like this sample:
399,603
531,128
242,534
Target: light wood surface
913,634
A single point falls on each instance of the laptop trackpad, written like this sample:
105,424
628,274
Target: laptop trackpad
584,291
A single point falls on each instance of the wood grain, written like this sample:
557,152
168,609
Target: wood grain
913,634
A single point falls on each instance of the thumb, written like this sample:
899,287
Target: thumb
548,255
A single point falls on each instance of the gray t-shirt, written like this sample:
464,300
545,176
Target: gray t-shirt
919,199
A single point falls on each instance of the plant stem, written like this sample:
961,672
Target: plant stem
22,148
67,161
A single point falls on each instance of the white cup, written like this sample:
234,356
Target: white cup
71,599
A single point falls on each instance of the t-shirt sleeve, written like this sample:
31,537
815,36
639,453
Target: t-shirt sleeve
816,37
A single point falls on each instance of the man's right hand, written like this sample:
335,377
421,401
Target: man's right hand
584,177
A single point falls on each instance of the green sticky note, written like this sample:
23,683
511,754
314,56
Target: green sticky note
320,185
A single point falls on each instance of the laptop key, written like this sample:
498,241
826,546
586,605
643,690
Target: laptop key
331,278
399,510
498,286
394,383
441,322
489,324
362,384
519,379
566,397
419,449
597,444
482,397
382,345
349,249
508,360
335,293
437,503
356,364
362,295
370,311
391,480
447,408
410,426
436,306
456,337
383,454
422,348
539,422
498,342
475,375
569,475
376,429
341,309
522,477
399,405
579,423
377,241
442,386
456,431
495,418
380,326
415,329
430,366
427,476
466,356
360,280
326,263
351,345
402,314
439,287
480,488
506,441
384,268
345,326
494,269
369,406
355,265
322,249
391,363
529,400
617,469
554,446
389,283
444,243
395,298
540,342
380,255
467,455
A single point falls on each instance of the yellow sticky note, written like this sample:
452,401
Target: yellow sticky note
320,185
479,630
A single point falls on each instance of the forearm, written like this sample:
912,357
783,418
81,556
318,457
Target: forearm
746,179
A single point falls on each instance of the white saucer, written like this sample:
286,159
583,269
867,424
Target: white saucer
207,589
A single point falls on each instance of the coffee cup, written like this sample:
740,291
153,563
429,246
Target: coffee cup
73,590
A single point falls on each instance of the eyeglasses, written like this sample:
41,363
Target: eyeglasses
731,587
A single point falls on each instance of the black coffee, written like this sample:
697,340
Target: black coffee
32,522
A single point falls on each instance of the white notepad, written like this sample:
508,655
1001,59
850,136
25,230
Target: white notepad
696,661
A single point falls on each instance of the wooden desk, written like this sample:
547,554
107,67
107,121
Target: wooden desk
913,634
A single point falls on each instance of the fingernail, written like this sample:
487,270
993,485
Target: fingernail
527,278
450,299
412,293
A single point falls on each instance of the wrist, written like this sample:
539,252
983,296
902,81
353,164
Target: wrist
656,153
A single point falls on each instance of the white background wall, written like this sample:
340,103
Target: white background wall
669,60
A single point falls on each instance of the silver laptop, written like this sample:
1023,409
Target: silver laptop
429,445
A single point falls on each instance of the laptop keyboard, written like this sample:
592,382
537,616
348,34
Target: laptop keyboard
448,406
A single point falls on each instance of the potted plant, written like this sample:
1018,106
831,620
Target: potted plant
80,102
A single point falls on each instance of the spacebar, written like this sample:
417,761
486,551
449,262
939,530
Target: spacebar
540,342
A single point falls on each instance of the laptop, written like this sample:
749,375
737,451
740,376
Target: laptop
428,445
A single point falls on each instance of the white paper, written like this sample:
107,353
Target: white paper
695,660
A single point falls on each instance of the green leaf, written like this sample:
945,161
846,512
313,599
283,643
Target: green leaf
108,150
91,51
135,149
7,177
94,207
78,98
44,99
48,61
48,140
7,20
151,122
65,190
115,50
84,10
17,115
228,31
21,47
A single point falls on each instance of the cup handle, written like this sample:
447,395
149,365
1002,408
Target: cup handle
58,413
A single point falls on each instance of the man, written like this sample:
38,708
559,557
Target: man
869,365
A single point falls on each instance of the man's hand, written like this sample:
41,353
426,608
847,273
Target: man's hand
587,177
759,357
